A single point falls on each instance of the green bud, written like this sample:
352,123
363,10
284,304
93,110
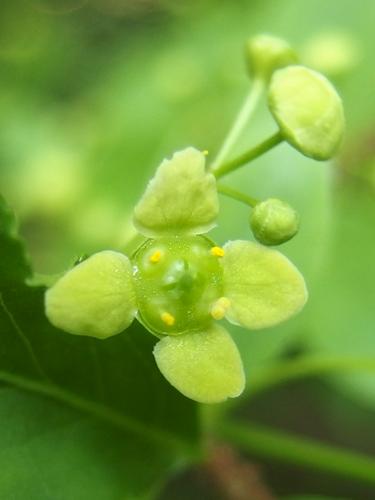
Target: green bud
266,53
273,222
308,111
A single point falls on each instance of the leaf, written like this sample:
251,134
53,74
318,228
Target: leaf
80,418
312,497
13,263
343,314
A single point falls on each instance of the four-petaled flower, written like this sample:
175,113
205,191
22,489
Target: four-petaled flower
179,283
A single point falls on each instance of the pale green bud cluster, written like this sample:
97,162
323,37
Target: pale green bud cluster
308,111
274,222
266,53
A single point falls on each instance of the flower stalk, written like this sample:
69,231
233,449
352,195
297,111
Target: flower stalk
250,155
242,119
237,195
284,447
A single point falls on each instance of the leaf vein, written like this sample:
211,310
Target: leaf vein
24,339
99,411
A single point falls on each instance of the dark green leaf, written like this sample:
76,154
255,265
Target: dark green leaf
80,418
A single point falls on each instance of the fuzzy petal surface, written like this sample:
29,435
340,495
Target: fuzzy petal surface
264,288
204,366
180,199
95,298
308,110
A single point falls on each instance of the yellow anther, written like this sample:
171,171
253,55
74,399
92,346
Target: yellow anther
224,302
219,308
168,319
217,312
155,257
205,152
217,252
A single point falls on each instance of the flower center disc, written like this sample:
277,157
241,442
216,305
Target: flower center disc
178,279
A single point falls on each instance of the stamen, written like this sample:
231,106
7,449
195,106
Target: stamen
217,251
205,152
224,302
168,319
219,308
217,312
155,257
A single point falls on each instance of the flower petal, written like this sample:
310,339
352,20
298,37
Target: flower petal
180,199
95,298
263,286
205,366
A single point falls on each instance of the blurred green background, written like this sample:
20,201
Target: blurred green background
95,93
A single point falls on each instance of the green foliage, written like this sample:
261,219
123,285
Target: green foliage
348,315
100,408
147,89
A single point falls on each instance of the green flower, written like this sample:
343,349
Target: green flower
178,284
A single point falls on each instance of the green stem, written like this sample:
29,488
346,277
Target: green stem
307,366
239,161
241,120
269,443
281,373
236,195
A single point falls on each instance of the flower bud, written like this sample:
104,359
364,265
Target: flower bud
266,53
273,222
308,111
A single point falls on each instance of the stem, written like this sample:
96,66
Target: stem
236,195
264,379
263,147
269,443
241,120
304,367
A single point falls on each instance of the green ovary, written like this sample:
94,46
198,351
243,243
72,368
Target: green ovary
177,280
